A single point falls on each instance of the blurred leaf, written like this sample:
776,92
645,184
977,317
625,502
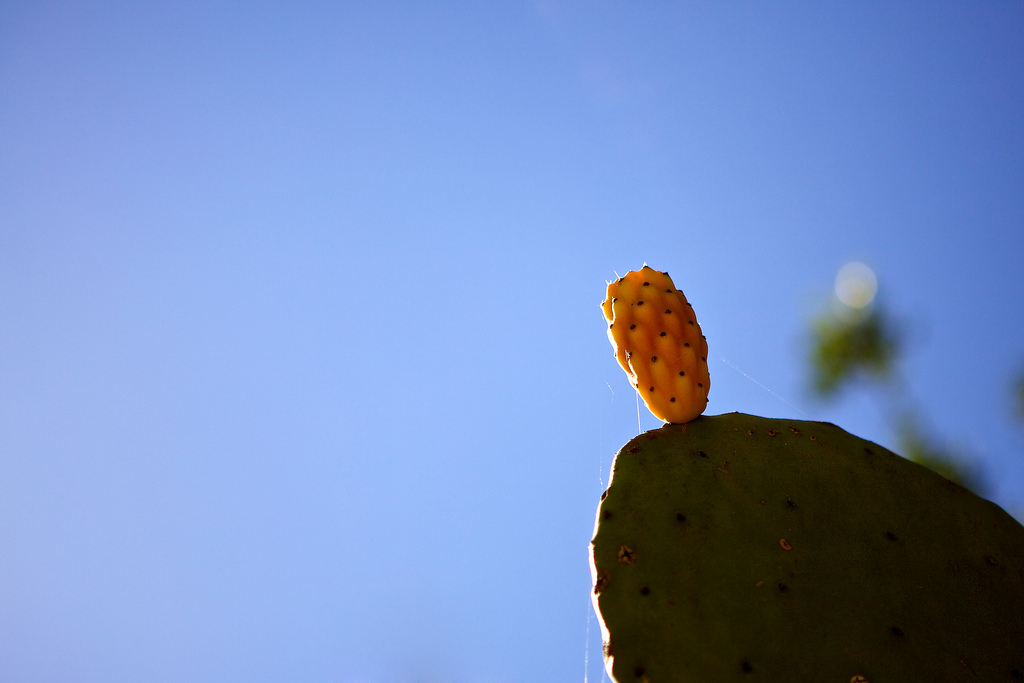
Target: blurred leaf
917,446
1018,396
850,344
845,347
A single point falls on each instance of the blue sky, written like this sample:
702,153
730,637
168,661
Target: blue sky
302,370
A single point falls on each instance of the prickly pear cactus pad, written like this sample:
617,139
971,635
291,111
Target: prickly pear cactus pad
658,343
741,548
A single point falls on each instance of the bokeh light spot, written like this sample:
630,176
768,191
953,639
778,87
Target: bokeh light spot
856,285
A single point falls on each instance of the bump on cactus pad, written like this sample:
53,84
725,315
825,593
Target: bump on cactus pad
741,548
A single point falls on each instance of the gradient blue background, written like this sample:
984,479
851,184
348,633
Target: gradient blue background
302,371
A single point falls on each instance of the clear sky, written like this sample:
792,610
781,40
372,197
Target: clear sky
302,371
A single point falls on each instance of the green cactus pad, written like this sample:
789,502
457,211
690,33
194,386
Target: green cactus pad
741,548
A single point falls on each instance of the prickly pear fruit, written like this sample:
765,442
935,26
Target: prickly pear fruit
741,548
658,343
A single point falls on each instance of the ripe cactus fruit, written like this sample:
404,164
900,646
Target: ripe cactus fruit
740,548
658,343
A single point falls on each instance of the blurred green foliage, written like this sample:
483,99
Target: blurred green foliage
916,445
866,345
852,345
1018,398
